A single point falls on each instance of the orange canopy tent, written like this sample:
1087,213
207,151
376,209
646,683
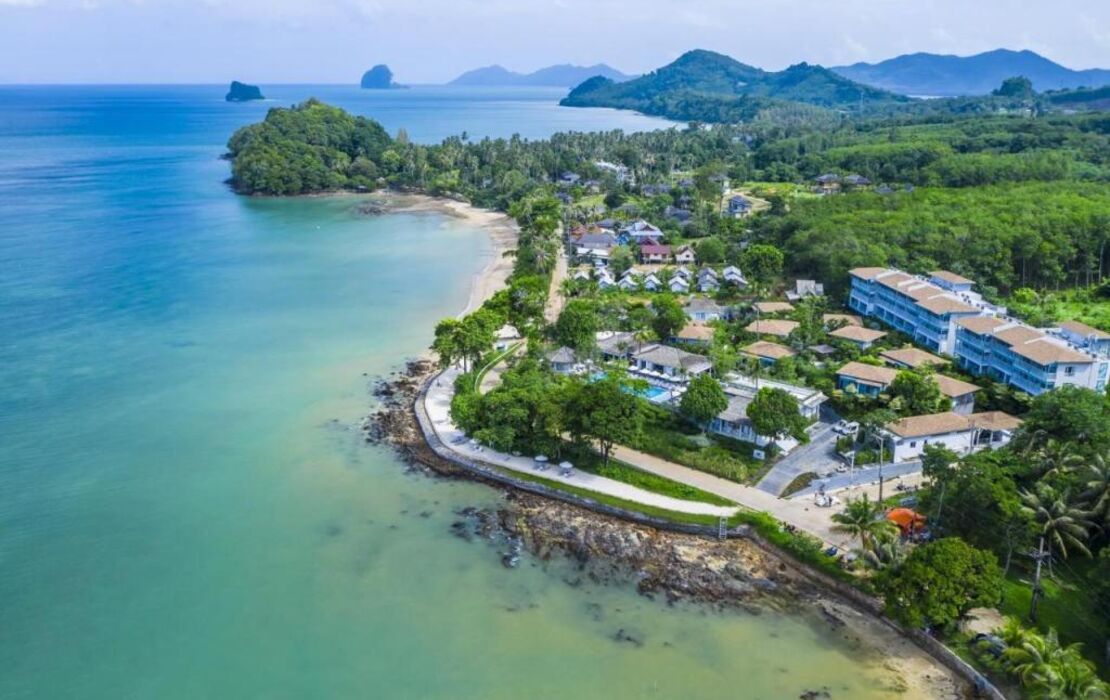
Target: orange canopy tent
907,520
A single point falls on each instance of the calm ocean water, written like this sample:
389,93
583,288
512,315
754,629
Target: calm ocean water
186,510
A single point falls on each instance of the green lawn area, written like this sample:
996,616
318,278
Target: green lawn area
1063,607
628,474
671,515
668,437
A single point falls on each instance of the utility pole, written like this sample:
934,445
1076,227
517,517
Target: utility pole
1040,555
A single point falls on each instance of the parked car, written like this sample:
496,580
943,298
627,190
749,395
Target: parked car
846,427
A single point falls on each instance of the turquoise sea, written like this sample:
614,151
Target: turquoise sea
186,508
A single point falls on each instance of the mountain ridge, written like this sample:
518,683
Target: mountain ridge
948,75
559,75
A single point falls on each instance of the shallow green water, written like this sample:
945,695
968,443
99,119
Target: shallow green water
186,509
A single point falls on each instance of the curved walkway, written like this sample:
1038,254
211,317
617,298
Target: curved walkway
437,404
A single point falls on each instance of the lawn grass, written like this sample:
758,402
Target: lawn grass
628,474
666,436
663,513
1063,607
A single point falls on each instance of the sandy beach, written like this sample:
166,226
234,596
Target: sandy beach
502,230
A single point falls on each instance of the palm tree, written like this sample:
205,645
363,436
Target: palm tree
1059,522
1046,667
1053,458
1097,495
1032,659
863,518
887,551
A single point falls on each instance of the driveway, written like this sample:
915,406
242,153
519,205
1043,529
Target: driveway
817,456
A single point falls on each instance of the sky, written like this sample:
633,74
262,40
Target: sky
430,41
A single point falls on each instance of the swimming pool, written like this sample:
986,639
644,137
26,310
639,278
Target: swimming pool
655,394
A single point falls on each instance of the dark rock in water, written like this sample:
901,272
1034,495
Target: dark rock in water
333,530
370,210
815,694
241,92
627,637
378,78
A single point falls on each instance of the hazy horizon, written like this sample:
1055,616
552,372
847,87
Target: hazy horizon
431,42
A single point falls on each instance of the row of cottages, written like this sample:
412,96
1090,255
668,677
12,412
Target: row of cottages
907,438
871,380
734,423
943,314
830,183
651,361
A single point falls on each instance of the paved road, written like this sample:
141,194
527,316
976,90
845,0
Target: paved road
801,513
817,456
870,475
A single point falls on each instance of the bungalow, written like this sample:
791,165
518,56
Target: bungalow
854,180
1080,334
581,274
766,352
739,206
805,288
628,283
620,172
864,379
671,362
685,256
597,246
679,285
733,422
605,280
616,345
641,230
562,360
870,380
909,437
862,337
695,334
652,253
564,197
773,307
506,337
683,271
776,327
704,310
707,280
841,319
655,190
827,183
910,357
568,178
734,275
651,283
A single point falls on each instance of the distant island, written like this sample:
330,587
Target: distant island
703,86
948,76
241,92
563,75
707,86
379,78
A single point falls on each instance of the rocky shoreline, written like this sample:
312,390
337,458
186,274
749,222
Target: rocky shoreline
737,574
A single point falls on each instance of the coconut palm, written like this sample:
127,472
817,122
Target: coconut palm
1062,524
1047,668
1052,458
1097,495
863,518
887,551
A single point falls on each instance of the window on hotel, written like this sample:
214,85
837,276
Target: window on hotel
1069,371
913,444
